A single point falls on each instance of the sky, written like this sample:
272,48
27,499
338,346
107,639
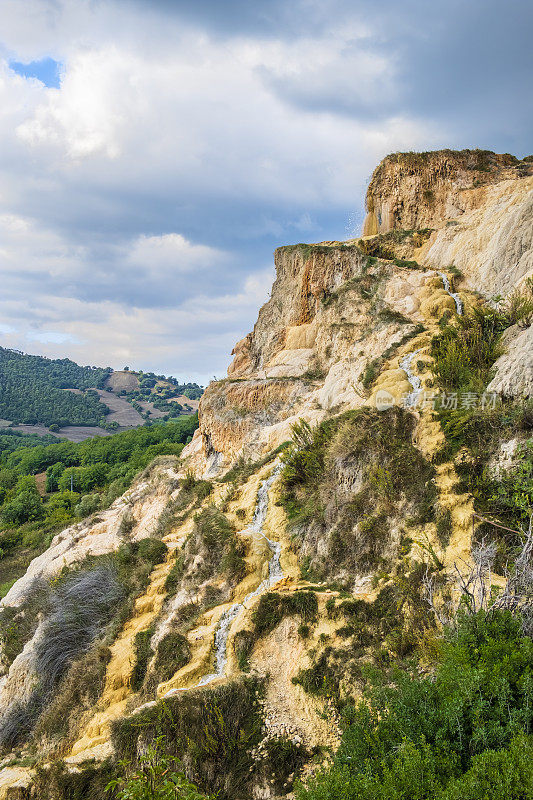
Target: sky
154,153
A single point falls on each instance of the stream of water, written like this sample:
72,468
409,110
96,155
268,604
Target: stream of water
405,364
457,300
275,574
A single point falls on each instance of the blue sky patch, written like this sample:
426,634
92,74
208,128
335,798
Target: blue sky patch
45,70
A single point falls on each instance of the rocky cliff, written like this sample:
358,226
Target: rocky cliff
238,628
337,306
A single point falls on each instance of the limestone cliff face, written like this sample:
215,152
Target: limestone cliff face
332,312
478,204
422,190
335,307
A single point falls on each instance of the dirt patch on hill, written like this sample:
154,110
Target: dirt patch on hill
74,433
121,411
155,413
123,380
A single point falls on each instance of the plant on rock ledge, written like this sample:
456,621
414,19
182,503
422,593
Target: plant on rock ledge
156,778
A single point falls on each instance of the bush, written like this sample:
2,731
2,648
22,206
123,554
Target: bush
212,731
173,652
80,606
446,735
497,774
243,643
78,690
56,781
373,455
465,352
142,653
518,306
156,778
153,551
175,575
214,536
272,608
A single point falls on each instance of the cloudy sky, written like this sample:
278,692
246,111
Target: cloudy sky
155,152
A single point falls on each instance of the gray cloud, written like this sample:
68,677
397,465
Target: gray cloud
141,201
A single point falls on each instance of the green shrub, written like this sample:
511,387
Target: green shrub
273,607
497,774
216,538
518,306
243,643
173,652
175,575
444,735
153,551
287,759
142,654
444,526
212,731
465,352
376,448
243,469
156,778
56,781
391,316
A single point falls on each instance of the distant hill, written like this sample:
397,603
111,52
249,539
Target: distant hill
32,390
42,396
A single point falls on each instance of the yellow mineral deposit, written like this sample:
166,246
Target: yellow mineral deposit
95,741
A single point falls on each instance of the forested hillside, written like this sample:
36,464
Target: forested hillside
80,478
32,390
58,393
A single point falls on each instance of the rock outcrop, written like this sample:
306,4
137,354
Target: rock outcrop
423,190
336,307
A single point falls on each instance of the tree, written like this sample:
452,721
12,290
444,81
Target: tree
27,506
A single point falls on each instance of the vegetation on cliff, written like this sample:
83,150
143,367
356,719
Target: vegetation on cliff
461,731
464,353
347,482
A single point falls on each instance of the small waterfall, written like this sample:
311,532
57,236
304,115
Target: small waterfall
413,379
457,300
275,574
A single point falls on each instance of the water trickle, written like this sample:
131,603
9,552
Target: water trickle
456,298
405,364
275,574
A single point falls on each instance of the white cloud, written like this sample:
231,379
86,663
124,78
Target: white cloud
204,116
190,331
171,253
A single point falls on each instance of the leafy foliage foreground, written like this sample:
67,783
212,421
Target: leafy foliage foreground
462,732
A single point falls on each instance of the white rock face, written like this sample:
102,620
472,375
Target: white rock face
289,363
493,244
514,369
